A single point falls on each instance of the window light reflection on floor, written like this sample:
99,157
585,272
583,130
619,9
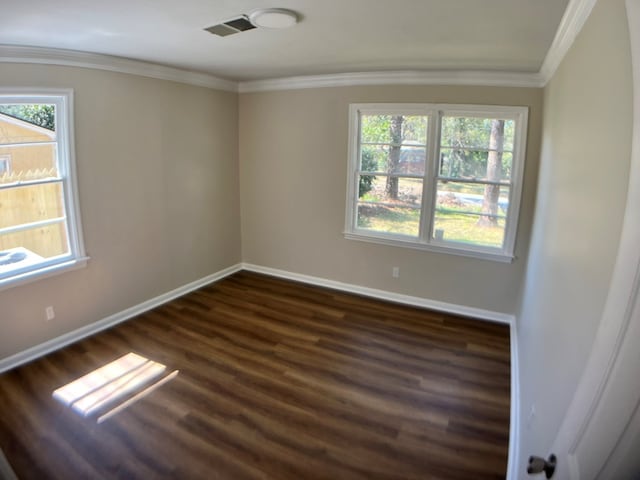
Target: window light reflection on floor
110,383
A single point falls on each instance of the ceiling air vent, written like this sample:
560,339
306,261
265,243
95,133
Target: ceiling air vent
235,25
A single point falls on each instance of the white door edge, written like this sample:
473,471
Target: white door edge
619,315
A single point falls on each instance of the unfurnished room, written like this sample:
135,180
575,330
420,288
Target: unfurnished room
363,239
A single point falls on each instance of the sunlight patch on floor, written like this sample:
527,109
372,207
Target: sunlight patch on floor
110,383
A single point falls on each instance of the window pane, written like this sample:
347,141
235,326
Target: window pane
33,203
31,246
411,161
375,128
471,163
471,213
28,162
475,164
394,129
38,216
374,158
390,204
477,133
414,129
27,123
389,219
407,160
385,189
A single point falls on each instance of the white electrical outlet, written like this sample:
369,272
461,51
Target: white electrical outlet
395,272
50,313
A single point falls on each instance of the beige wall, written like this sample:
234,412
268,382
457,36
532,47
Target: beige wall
158,181
581,200
293,165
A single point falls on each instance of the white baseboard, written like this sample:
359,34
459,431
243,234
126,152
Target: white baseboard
386,295
68,338
75,335
514,426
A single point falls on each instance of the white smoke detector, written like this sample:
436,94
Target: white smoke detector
273,18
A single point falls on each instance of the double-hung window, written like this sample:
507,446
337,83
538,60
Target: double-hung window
446,178
39,219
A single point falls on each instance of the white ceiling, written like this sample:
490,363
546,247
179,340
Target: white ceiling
334,36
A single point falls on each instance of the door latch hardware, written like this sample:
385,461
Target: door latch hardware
539,465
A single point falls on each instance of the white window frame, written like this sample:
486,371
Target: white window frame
425,240
76,257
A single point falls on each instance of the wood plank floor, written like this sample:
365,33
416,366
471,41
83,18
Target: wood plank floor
278,380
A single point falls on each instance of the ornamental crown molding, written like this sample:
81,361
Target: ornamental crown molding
440,77
73,58
572,22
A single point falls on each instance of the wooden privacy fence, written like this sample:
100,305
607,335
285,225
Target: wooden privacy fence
31,203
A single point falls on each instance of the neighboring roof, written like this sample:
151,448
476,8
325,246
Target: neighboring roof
11,120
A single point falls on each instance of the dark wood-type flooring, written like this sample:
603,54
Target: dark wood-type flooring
278,380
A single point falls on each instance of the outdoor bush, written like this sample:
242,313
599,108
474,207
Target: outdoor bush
369,164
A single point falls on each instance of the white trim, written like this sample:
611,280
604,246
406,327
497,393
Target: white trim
573,20
66,127
498,317
62,99
622,300
452,308
29,183
78,334
93,328
440,77
424,239
40,223
396,241
73,58
514,425
44,271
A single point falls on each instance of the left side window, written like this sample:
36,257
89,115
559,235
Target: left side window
40,230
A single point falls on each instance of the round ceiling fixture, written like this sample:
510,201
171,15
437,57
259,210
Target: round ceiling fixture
274,18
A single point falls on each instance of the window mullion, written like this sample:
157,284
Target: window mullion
476,181
31,225
28,144
30,183
353,177
429,183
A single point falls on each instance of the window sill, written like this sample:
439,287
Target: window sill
43,272
438,248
